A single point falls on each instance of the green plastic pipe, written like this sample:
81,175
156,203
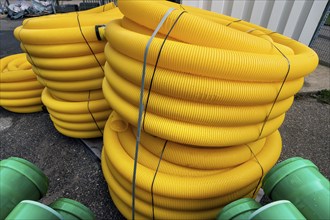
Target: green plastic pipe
278,210
72,210
239,210
299,181
19,180
28,209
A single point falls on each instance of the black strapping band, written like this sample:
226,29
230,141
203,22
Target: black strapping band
155,67
89,92
262,170
153,180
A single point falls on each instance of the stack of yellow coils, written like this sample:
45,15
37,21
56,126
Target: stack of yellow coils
191,182
66,52
220,87
20,91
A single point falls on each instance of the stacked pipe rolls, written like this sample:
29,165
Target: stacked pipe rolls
66,54
213,84
20,91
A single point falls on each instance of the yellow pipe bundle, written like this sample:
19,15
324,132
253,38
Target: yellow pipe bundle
201,86
192,182
216,91
85,119
66,54
20,91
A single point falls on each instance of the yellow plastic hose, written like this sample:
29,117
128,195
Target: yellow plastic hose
62,50
74,86
66,52
69,75
85,119
206,90
175,202
214,95
20,102
20,91
20,94
12,76
186,133
46,30
194,112
177,187
189,28
201,85
73,107
78,96
67,63
80,126
24,109
79,134
189,156
80,118
226,64
21,85
16,64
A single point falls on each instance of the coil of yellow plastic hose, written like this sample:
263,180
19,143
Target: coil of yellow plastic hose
68,34
73,107
165,212
80,118
20,94
212,62
74,86
112,167
16,64
24,109
177,187
174,203
234,23
21,85
20,91
68,63
6,60
187,133
195,112
63,50
79,134
15,67
81,126
191,28
20,102
283,43
217,158
69,75
206,90
77,96
12,76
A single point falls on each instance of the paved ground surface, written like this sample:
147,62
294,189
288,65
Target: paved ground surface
74,171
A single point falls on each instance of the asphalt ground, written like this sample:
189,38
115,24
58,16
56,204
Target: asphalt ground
74,171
